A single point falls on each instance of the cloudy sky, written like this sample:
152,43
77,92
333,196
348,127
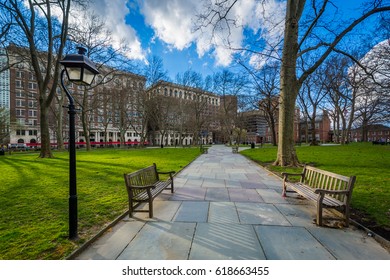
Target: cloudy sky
166,28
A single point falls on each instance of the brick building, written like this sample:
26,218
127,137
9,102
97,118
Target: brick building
321,129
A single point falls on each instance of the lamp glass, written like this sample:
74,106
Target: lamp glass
88,77
74,74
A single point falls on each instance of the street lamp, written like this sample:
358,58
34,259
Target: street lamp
80,70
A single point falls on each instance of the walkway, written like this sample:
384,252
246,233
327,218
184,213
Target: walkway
227,207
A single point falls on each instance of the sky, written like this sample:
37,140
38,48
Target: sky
165,28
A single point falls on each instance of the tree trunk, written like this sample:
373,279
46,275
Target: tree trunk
84,120
286,150
289,87
313,141
45,133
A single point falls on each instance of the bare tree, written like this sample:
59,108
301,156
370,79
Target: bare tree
93,34
229,86
4,126
35,20
311,97
154,71
266,84
299,43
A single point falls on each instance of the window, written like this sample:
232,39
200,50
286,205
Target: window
31,76
32,113
20,103
20,112
18,84
32,85
20,74
20,132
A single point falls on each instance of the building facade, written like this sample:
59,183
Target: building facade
184,115
321,130
375,133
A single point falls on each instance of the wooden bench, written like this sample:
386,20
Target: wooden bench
144,185
328,189
235,150
204,150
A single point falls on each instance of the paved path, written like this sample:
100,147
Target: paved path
227,207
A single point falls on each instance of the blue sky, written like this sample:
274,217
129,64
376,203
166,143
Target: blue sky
164,28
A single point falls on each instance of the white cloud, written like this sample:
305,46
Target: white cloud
172,21
114,13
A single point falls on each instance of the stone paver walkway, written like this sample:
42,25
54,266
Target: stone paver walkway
227,207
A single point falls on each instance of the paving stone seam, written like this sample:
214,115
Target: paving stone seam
192,241
135,235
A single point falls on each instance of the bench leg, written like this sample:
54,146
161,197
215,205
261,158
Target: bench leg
150,208
319,209
130,209
346,216
284,190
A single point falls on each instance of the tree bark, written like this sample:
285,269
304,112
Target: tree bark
289,86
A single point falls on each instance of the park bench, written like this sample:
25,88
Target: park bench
204,150
235,150
327,189
144,185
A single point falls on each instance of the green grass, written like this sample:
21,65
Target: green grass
34,196
370,164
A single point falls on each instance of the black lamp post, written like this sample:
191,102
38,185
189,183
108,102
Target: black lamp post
80,70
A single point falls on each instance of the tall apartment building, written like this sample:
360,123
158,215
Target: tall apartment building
4,81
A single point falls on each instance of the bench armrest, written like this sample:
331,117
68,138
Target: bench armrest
330,191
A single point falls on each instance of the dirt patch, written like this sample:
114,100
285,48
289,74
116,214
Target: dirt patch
367,222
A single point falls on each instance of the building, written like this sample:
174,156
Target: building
101,102
187,114
322,129
256,126
4,81
375,133
268,132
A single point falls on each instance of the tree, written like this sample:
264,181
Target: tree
45,36
4,126
300,43
266,84
154,71
229,86
91,32
311,97
342,88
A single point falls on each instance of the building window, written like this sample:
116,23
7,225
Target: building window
32,85
20,74
18,84
20,112
31,76
32,113
20,103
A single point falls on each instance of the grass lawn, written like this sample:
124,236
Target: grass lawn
34,196
370,164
